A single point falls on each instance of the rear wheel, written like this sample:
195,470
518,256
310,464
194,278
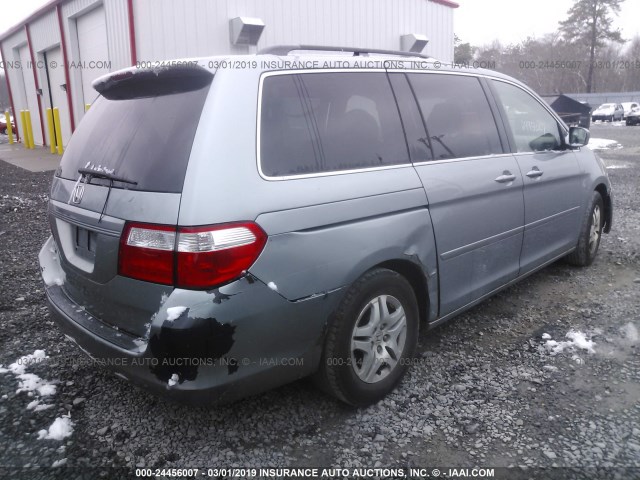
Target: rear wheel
371,339
590,233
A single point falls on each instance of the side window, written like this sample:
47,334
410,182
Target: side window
419,146
534,129
327,122
457,116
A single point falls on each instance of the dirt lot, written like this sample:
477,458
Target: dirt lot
488,389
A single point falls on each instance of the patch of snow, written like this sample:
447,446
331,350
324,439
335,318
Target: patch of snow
546,336
580,341
576,340
173,380
272,286
603,144
2,369
630,332
30,382
20,365
61,428
174,312
59,463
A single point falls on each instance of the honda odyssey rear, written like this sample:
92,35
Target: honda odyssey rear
216,233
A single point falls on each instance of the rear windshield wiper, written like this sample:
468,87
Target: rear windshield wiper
88,174
104,175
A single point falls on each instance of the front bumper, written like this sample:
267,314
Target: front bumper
227,343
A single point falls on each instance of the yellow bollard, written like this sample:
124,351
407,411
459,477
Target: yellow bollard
9,127
27,114
56,120
87,106
52,132
25,134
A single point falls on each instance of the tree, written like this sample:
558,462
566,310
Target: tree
462,52
590,25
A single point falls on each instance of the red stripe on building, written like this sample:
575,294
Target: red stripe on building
13,108
35,77
66,69
132,34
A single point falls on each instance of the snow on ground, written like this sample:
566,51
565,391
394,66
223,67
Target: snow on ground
19,366
630,332
59,463
577,340
603,144
174,312
173,380
61,428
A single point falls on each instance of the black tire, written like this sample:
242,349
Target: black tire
343,365
587,248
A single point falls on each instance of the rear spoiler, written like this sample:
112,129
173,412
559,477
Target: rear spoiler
141,83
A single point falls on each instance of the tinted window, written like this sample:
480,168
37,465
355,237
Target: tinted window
325,122
146,140
457,115
534,129
419,147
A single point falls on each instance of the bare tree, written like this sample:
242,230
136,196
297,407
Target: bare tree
590,24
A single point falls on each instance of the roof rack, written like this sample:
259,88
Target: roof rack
283,50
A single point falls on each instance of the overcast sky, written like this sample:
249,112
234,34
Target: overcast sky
482,21
476,21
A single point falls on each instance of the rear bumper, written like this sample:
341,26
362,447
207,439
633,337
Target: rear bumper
224,344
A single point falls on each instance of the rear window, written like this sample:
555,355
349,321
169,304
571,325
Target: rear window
328,122
143,139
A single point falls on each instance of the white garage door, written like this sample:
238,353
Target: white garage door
58,95
31,101
92,43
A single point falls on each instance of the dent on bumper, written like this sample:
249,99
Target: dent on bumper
207,347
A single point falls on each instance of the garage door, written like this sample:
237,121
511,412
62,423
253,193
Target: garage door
30,99
92,43
58,97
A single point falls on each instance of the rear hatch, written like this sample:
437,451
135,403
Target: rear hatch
126,162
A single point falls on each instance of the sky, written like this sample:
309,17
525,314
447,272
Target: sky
479,22
476,21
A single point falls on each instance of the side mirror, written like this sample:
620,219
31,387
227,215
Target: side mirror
578,137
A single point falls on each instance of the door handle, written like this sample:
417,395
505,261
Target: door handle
535,173
506,177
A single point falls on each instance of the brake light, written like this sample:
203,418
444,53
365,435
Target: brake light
189,257
146,252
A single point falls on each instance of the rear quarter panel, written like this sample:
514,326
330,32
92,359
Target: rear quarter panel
324,231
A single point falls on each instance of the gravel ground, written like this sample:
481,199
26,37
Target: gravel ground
486,391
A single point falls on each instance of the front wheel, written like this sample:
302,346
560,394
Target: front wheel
590,233
371,339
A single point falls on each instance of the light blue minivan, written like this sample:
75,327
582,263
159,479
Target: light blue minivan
305,219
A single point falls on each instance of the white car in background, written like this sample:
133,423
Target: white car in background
628,107
608,111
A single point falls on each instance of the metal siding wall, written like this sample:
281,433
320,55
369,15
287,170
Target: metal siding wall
168,29
118,33
45,32
10,47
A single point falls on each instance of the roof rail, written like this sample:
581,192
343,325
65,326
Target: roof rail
283,50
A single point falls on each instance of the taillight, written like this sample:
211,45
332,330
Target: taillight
189,257
146,252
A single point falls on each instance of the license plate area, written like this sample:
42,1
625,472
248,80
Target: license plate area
85,243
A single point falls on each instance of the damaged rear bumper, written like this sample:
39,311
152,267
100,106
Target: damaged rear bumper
206,347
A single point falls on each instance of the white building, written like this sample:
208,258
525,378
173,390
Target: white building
72,42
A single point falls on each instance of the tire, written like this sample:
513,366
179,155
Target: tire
345,371
590,233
